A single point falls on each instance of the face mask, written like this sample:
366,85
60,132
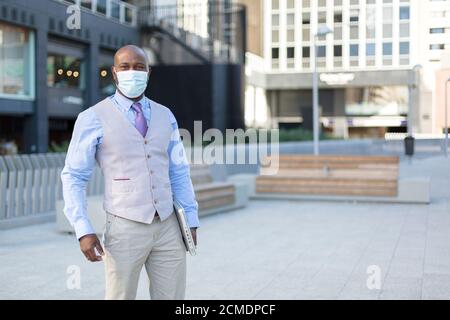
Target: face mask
132,83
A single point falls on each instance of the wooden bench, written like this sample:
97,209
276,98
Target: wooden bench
210,194
332,175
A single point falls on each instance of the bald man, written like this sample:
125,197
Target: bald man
133,139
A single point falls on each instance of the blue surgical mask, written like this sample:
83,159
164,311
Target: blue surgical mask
132,83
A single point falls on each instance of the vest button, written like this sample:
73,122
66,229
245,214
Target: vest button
151,171
149,156
146,142
156,201
153,187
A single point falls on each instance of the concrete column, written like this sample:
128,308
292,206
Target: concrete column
35,133
92,95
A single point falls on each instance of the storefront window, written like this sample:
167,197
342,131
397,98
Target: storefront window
377,101
107,86
106,81
16,62
64,71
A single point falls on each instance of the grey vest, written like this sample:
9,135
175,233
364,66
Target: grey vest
135,168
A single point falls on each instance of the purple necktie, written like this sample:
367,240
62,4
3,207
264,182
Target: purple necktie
140,123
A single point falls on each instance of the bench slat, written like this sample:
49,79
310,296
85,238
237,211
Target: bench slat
337,183
388,192
337,158
332,173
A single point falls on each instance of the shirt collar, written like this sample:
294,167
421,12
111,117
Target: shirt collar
125,104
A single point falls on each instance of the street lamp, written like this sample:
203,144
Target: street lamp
446,120
322,31
413,85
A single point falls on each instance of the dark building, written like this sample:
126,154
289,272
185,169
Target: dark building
49,72
51,69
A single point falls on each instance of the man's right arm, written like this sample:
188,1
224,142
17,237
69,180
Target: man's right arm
79,164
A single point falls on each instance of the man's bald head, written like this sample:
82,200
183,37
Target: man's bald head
130,52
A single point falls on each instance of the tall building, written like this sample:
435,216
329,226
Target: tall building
366,65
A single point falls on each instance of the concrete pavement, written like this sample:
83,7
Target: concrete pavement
272,250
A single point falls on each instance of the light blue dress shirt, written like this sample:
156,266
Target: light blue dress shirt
80,162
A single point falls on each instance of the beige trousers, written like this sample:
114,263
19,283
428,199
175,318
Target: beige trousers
158,246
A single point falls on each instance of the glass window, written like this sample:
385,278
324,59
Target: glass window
306,34
101,6
106,81
354,50
290,52
290,35
377,100
387,30
275,53
337,33
338,51
354,32
275,4
306,52
437,30
107,86
306,18
322,17
87,4
275,35
387,49
404,13
370,49
290,19
275,19
404,30
129,15
64,71
437,46
321,51
16,62
404,47
115,9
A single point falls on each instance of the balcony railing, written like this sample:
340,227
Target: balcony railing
114,10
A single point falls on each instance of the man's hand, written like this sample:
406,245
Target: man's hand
88,244
194,235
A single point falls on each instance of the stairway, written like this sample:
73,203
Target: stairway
213,32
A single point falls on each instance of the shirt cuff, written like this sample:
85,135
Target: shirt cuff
192,218
83,227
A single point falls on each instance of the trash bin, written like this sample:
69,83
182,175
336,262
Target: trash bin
409,146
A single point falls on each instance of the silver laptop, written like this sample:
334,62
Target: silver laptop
184,226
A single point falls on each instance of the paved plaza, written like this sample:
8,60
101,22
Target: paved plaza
272,250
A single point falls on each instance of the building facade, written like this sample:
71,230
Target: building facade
51,69
56,58
367,77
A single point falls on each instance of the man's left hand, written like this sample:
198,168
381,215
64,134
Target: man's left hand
194,235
